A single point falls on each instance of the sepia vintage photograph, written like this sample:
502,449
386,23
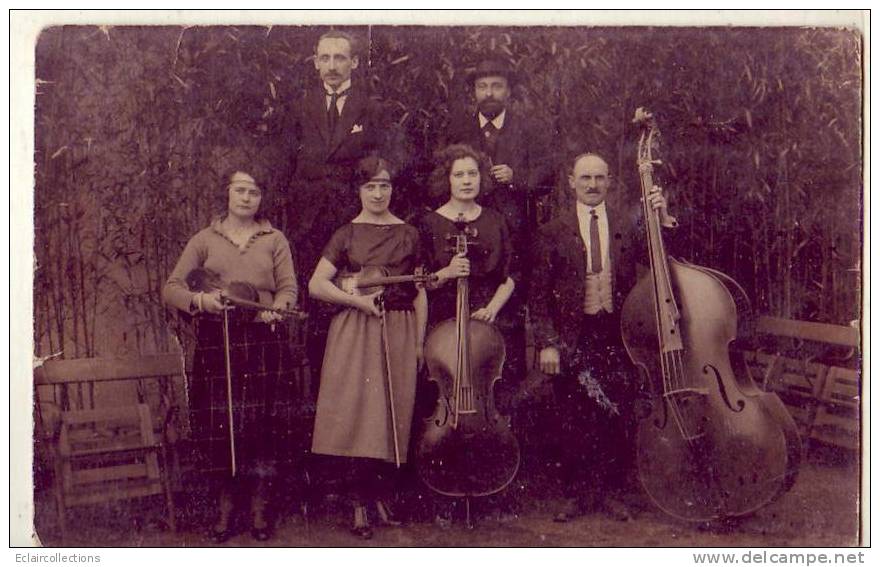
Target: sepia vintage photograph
446,279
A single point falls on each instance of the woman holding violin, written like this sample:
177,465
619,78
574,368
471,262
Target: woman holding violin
374,345
236,379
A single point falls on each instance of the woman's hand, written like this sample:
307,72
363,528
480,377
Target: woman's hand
459,267
213,303
367,303
486,314
270,317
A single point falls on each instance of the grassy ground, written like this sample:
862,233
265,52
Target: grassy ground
822,510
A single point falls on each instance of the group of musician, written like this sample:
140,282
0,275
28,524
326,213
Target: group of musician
570,275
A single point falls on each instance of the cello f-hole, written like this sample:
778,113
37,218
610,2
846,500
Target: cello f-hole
740,404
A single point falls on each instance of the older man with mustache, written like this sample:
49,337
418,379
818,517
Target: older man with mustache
585,267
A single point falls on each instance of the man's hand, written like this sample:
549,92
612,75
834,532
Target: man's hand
549,360
502,173
658,203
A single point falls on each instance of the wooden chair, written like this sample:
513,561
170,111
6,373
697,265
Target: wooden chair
815,373
104,454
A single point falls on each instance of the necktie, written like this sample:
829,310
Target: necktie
595,245
490,135
333,109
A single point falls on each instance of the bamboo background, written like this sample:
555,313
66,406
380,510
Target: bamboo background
762,158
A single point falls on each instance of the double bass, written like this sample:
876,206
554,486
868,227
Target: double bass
714,445
467,448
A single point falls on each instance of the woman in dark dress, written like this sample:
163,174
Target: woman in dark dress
239,246
460,171
353,416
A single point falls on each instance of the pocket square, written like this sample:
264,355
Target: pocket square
356,128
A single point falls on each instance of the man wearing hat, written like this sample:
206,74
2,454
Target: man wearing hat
522,161
521,170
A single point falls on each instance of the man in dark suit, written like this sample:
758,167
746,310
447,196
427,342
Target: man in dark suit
336,125
522,169
585,267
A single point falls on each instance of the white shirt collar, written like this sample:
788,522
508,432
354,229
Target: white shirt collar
498,121
585,210
328,89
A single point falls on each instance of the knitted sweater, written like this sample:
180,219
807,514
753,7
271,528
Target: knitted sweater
265,262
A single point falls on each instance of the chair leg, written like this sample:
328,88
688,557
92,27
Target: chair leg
59,500
62,515
169,493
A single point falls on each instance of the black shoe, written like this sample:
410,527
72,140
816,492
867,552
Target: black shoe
570,510
220,536
363,532
361,525
261,534
616,510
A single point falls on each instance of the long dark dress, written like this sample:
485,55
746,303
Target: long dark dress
490,260
353,416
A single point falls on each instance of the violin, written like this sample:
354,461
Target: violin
467,448
239,294
372,279
714,445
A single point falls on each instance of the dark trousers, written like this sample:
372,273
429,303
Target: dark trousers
594,421
316,209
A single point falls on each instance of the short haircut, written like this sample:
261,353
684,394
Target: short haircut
443,160
259,176
579,157
340,34
368,168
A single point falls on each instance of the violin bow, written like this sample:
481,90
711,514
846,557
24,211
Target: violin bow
229,389
384,323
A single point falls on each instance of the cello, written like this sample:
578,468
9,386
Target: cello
467,448
714,445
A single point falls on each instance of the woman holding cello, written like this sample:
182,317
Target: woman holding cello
236,376
460,173
374,345
467,448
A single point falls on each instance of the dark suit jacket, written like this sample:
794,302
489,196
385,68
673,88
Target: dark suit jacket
559,273
324,157
524,147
